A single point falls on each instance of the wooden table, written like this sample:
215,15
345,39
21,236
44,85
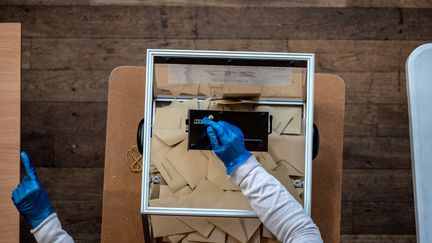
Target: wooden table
121,219
10,100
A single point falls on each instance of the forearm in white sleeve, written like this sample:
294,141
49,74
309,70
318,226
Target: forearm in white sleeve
50,231
274,205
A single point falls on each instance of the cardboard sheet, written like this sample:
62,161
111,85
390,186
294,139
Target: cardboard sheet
217,236
167,225
191,164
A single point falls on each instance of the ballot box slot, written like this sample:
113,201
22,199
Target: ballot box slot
254,125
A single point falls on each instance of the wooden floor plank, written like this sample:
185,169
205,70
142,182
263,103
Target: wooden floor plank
360,120
378,238
235,3
377,153
393,121
378,218
374,87
72,183
205,22
383,185
80,150
64,118
65,86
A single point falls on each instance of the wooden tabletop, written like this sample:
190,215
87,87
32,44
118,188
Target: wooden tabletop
121,219
10,99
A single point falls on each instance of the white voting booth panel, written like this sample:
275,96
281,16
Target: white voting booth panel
419,89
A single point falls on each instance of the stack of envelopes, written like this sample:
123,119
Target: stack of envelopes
197,178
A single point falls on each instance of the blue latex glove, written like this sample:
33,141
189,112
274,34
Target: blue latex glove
227,142
30,198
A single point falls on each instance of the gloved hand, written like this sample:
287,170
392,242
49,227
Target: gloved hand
227,142
30,198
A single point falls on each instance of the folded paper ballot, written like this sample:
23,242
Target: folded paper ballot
191,164
197,179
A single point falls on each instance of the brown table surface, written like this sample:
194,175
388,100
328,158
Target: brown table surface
121,219
10,98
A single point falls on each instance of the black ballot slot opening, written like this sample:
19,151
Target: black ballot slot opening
254,125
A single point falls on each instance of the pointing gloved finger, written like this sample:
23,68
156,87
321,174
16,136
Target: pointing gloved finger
30,171
213,138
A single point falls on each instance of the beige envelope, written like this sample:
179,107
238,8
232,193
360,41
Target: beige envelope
205,195
281,174
250,226
191,164
211,90
200,224
233,200
291,170
285,119
241,90
183,191
170,137
255,238
293,90
231,226
176,238
230,239
288,148
168,225
170,174
165,191
216,173
170,117
267,161
267,234
170,201
216,235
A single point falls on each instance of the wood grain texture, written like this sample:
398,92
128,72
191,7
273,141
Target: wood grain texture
71,118
377,153
378,238
384,185
204,22
72,183
375,87
70,47
10,98
65,86
236,3
378,217
332,56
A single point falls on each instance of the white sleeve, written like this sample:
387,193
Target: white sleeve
50,231
274,205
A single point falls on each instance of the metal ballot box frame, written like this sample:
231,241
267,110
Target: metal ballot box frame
227,58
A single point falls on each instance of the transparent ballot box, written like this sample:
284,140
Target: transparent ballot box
269,96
